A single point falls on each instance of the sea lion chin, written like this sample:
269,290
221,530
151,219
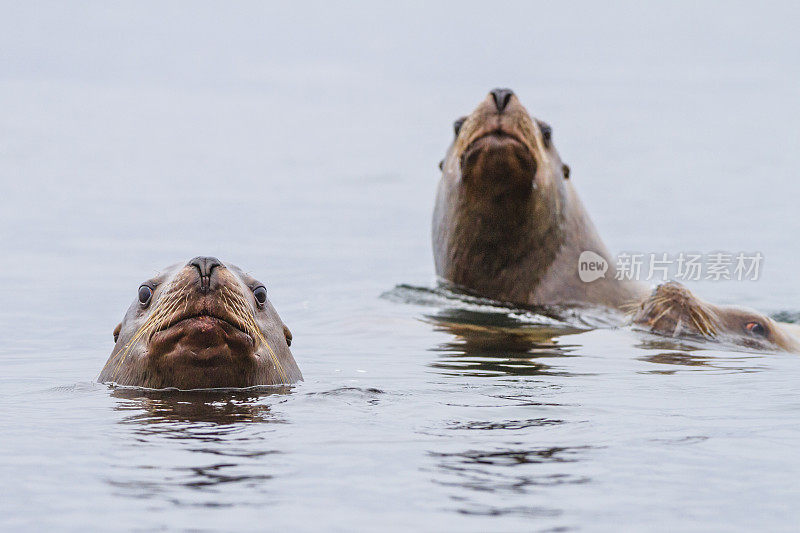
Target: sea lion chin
203,324
508,224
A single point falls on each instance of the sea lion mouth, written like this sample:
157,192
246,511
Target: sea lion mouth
203,322
201,340
495,138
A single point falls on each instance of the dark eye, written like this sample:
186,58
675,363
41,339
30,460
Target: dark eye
756,328
261,295
457,125
547,133
145,293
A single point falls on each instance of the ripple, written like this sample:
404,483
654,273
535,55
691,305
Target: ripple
367,392
791,317
509,457
507,475
447,297
504,424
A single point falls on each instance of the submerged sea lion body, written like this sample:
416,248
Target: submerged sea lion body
672,310
203,324
508,224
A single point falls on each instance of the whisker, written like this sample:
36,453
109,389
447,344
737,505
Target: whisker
708,325
241,310
164,309
664,312
697,324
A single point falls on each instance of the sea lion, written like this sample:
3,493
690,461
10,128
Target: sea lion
671,309
508,223
202,324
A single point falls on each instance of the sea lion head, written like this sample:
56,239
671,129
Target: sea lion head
500,148
501,204
202,324
672,309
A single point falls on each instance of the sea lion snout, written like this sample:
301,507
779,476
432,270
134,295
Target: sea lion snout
673,310
496,145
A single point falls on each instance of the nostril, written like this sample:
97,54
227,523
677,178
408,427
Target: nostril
501,98
212,263
205,266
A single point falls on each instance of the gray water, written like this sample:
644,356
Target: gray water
302,143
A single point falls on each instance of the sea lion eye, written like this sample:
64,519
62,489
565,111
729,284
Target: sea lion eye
547,133
756,328
457,125
145,294
565,169
260,294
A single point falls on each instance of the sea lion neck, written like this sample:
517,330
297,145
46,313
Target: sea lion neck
495,229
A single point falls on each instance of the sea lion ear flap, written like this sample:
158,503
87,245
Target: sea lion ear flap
288,335
116,331
565,169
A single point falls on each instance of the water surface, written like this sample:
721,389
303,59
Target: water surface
301,143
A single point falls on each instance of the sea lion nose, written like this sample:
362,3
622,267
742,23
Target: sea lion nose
501,98
205,266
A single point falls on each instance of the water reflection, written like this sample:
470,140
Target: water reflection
490,344
693,357
219,407
170,484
